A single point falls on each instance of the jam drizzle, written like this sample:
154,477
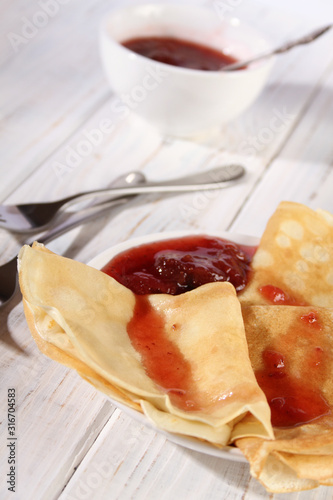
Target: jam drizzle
296,400
277,296
176,266
161,358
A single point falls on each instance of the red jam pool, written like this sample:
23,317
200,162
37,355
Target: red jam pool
182,53
179,265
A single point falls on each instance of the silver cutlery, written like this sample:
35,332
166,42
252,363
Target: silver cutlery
32,217
279,50
8,271
215,178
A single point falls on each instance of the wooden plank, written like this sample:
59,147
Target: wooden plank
53,74
43,389
141,464
84,244
175,153
68,431
48,101
303,170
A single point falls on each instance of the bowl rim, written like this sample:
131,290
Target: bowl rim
263,65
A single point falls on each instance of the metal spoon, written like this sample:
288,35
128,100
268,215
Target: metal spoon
32,217
279,50
216,178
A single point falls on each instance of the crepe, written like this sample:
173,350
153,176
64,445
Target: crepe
254,369
301,456
295,255
293,269
83,318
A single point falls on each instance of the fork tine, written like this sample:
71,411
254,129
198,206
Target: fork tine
8,271
12,219
29,217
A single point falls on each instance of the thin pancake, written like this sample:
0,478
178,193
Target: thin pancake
296,256
301,340
80,317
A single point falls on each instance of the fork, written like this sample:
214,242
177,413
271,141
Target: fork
220,177
8,271
32,217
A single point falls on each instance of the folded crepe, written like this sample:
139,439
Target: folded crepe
219,348
288,317
294,261
182,360
291,351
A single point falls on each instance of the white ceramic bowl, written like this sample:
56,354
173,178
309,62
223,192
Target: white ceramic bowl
180,101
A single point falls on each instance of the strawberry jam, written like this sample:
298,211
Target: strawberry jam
180,265
291,401
277,296
161,357
180,53
294,371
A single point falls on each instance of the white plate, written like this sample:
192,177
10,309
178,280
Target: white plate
103,258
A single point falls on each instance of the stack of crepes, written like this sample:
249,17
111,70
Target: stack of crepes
252,371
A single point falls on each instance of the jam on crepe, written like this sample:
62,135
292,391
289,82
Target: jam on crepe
180,265
296,400
181,53
277,296
161,357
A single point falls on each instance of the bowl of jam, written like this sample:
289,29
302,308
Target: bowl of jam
165,63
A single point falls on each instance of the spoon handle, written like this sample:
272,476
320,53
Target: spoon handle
215,178
76,219
303,40
211,179
279,50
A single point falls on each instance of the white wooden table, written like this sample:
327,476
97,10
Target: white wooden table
72,443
